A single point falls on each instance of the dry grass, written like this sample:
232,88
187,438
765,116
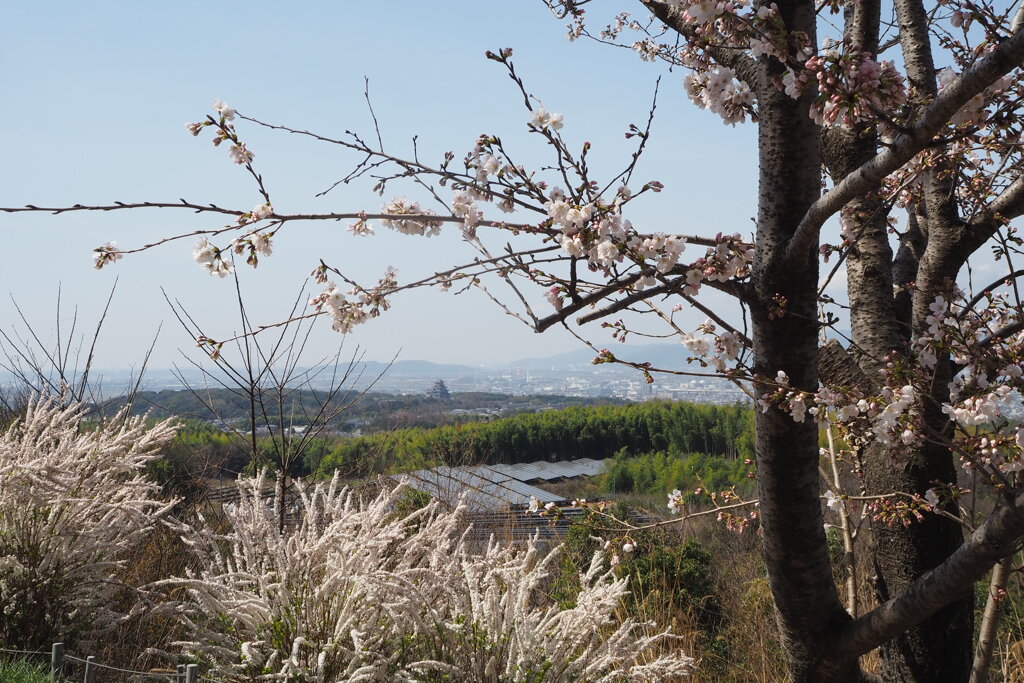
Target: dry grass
742,648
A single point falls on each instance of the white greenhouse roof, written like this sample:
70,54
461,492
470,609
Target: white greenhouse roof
495,487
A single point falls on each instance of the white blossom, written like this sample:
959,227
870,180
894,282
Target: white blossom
418,226
262,212
361,228
224,110
261,243
104,254
698,346
239,154
540,118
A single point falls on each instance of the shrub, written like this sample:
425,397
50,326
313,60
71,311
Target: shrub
74,504
674,575
357,591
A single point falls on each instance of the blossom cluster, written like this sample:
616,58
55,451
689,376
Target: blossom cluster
365,304
984,394
737,24
257,244
211,258
730,258
888,418
851,87
825,405
719,351
237,151
542,119
421,225
741,25
717,90
259,213
104,254
725,505
598,233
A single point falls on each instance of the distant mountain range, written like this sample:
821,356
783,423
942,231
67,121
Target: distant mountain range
669,356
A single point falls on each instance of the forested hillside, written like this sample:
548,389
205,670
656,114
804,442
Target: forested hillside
581,432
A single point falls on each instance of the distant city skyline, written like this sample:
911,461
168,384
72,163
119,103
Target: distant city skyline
568,374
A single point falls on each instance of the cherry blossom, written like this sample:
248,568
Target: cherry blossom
104,254
223,110
541,119
418,226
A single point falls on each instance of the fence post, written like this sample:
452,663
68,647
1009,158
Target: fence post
180,676
90,668
192,673
57,660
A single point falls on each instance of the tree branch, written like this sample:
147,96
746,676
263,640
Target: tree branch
986,290
992,541
666,288
584,301
747,69
283,217
1007,56
1008,205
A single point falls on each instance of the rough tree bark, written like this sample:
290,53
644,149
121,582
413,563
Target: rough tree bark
784,318
882,325
884,318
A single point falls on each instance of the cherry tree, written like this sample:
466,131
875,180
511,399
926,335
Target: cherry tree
900,122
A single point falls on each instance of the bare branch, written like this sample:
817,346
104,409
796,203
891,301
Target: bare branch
582,302
1008,205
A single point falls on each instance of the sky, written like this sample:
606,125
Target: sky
97,96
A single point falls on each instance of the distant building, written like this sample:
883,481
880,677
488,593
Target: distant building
439,390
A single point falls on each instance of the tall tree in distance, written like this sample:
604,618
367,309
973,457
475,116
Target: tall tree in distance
903,128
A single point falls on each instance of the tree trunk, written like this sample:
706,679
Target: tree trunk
786,338
938,649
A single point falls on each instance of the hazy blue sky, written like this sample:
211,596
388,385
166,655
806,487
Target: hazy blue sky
97,95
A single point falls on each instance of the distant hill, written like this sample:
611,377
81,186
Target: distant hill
408,375
417,369
669,356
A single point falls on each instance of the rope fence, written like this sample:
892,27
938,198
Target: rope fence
60,662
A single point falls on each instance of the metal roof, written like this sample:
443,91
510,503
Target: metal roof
546,471
480,487
494,487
